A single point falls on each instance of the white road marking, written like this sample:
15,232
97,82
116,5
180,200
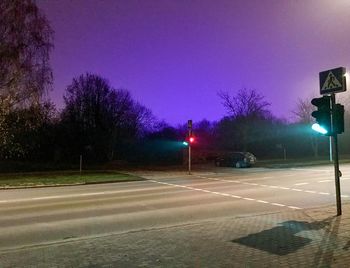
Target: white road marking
225,194
277,204
58,196
344,195
292,207
344,179
284,188
325,181
280,187
298,190
301,183
311,192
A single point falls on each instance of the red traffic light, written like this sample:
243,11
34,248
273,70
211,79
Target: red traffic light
191,139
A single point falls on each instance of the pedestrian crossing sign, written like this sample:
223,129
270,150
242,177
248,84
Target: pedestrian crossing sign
332,81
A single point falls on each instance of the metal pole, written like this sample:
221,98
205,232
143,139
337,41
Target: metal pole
81,164
284,153
336,161
336,171
330,149
189,158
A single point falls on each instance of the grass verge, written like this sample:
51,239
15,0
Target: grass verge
63,178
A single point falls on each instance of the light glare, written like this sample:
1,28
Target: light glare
319,129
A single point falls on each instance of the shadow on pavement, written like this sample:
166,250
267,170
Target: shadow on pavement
282,240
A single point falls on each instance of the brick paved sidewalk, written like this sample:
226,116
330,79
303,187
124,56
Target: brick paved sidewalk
308,238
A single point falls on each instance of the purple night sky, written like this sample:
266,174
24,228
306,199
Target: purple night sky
174,56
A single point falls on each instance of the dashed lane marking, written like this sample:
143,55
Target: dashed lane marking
275,186
324,181
298,190
224,194
301,183
277,204
311,192
294,207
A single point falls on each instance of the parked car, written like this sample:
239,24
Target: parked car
236,159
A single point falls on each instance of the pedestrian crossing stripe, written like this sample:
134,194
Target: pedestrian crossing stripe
331,82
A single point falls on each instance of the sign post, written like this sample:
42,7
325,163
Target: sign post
331,82
336,160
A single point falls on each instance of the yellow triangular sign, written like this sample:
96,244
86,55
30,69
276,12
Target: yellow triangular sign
331,82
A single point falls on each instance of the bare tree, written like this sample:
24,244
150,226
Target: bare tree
247,109
303,111
247,103
100,119
25,44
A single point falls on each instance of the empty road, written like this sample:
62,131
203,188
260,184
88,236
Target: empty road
46,216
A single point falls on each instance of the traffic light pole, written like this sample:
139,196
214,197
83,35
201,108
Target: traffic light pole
189,126
336,160
330,150
189,158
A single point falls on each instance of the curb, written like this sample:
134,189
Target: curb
67,184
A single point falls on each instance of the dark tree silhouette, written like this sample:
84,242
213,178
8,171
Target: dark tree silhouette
247,111
248,103
100,121
25,44
25,77
302,112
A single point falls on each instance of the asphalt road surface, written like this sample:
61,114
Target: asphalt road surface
44,216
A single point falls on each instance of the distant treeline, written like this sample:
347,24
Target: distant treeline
104,124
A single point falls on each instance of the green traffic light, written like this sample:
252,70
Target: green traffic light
185,143
319,129
322,115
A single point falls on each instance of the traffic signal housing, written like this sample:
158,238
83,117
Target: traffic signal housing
322,115
338,118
